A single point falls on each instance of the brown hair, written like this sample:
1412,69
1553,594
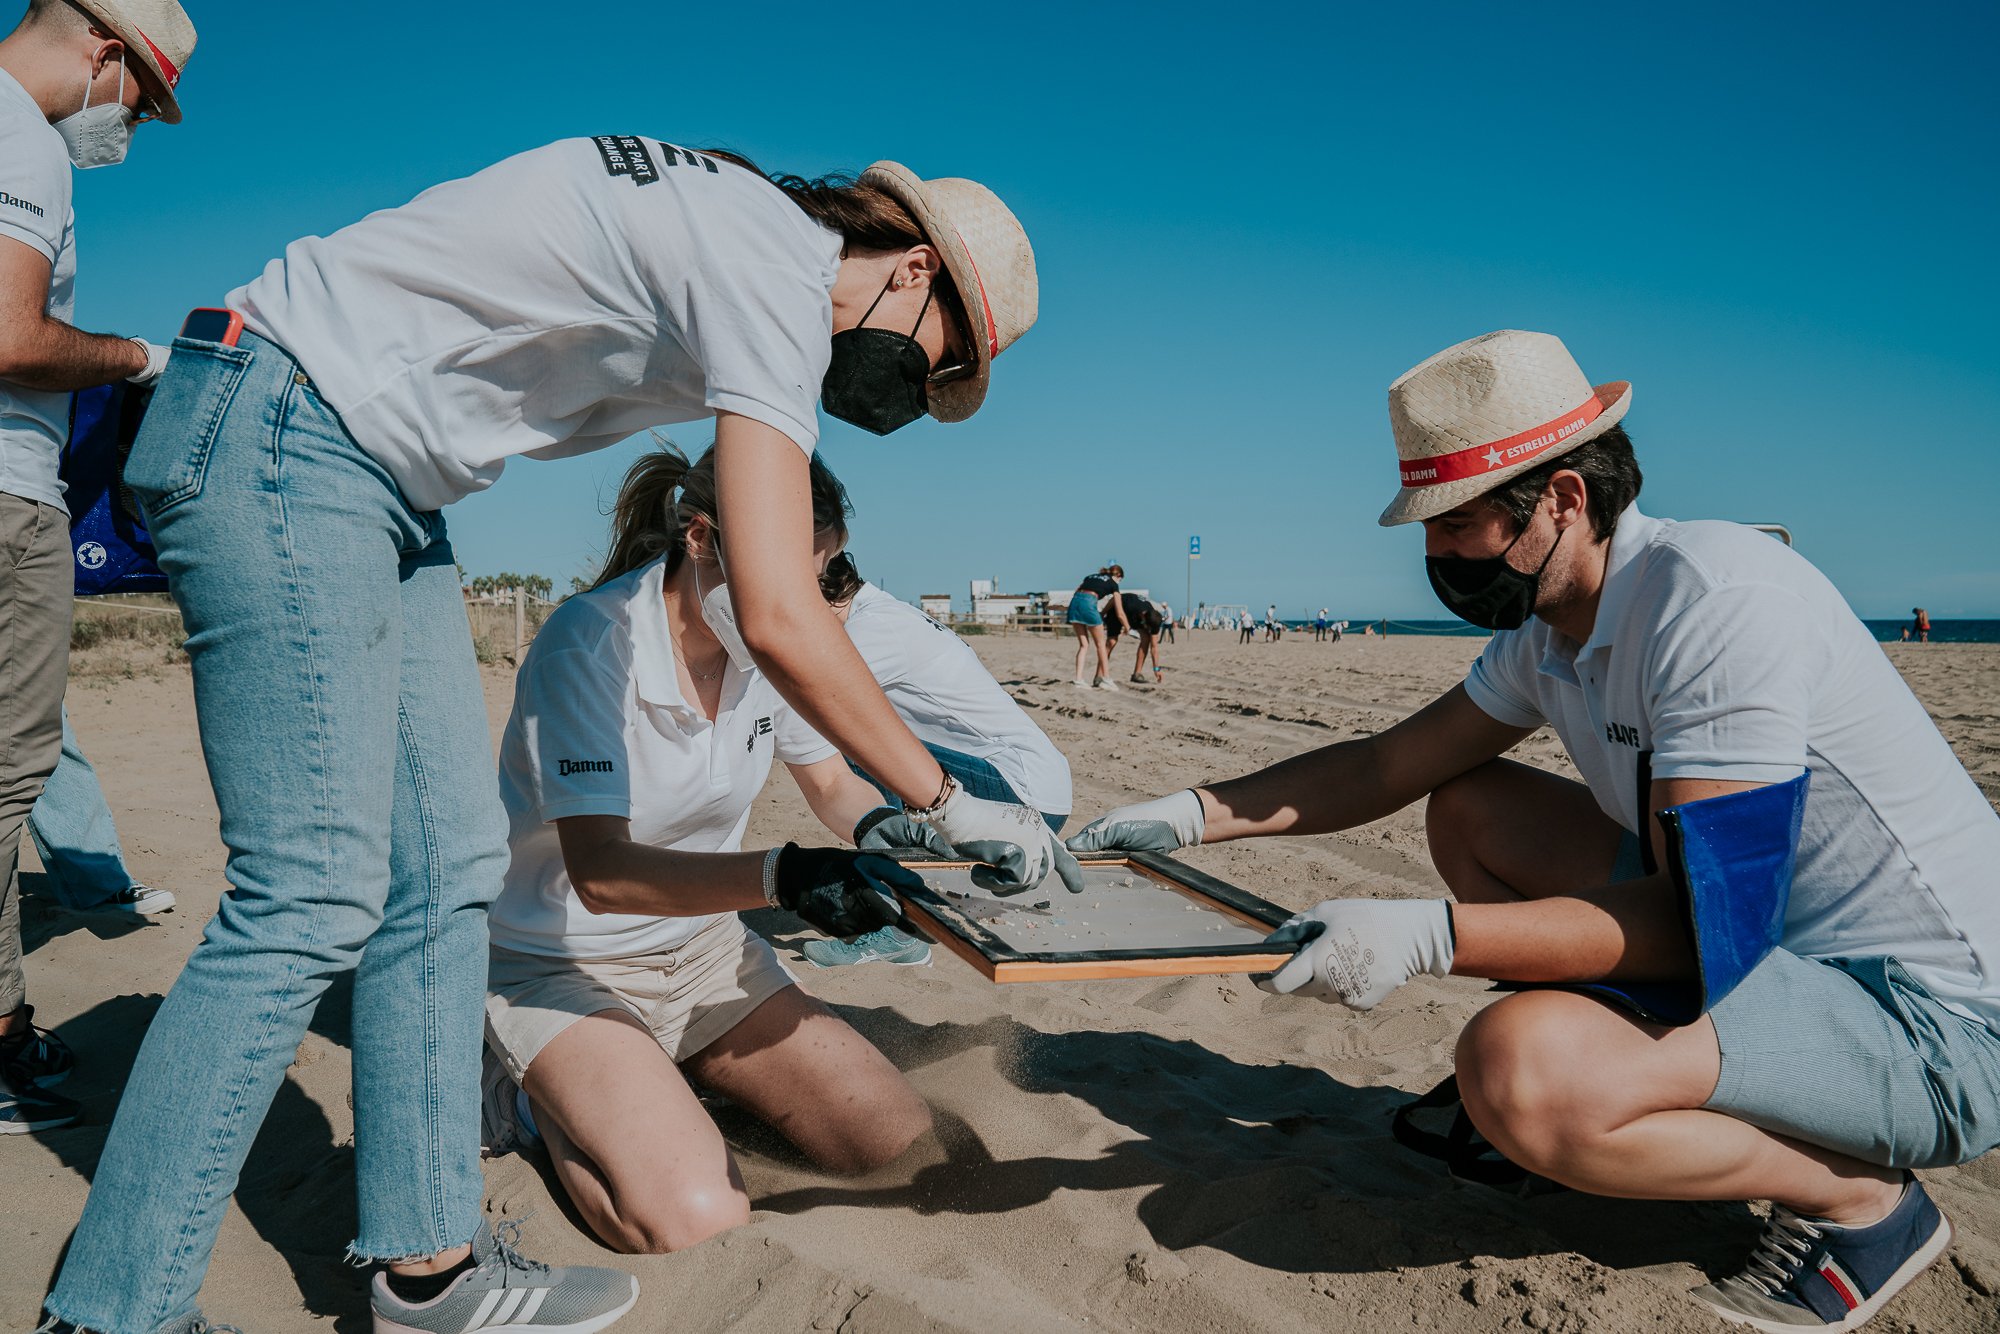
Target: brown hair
648,521
1611,481
866,216
841,581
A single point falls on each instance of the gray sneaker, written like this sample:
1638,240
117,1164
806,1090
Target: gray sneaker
504,1289
505,1124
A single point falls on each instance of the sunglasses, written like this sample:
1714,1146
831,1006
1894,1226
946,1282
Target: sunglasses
967,366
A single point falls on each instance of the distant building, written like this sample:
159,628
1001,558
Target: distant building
936,604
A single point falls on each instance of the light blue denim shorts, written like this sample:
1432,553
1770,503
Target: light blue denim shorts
1853,1055
1083,610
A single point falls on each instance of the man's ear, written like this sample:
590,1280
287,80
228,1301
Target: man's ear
1571,497
106,53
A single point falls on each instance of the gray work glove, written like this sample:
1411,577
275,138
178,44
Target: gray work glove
1014,843
1165,824
887,828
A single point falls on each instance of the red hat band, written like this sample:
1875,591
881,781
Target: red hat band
1481,459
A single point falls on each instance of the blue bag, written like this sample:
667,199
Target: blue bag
107,531
1731,857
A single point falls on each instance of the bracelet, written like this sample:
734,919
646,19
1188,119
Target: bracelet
925,814
771,875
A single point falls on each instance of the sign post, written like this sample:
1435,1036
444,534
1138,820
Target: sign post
1194,554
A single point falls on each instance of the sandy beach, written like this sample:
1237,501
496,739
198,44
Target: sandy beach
1176,1156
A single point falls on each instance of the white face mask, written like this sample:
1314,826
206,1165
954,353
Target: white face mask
719,614
98,136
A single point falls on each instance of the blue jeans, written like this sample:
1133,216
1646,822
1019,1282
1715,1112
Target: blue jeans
345,732
73,832
975,775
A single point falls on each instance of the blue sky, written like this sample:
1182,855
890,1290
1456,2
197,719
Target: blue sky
1778,223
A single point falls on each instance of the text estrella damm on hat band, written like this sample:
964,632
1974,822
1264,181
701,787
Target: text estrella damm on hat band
1481,459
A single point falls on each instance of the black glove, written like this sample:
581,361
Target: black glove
888,827
843,893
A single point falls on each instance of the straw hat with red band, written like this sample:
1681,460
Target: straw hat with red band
159,33
990,262
1483,412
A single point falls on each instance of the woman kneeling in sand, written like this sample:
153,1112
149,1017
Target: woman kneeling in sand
621,975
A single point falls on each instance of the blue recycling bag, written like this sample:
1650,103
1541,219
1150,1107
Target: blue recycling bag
1731,858
107,531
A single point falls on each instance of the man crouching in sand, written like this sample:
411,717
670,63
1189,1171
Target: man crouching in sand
1737,730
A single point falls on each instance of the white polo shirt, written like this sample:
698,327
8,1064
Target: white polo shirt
600,727
1720,653
949,699
35,211
556,303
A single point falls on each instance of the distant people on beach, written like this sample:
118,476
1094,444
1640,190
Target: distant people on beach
1246,628
1095,601
1144,619
1320,626
1920,625
621,977
1760,768
1166,621
1273,627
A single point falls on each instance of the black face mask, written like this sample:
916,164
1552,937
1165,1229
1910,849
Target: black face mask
1487,591
878,378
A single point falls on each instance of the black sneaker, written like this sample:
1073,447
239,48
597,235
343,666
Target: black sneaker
26,1108
1808,1273
35,1055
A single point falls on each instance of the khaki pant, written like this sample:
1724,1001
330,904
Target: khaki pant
36,588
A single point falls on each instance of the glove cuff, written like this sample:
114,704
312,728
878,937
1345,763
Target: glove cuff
1197,822
874,819
1439,945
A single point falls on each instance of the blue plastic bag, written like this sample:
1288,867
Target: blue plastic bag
107,531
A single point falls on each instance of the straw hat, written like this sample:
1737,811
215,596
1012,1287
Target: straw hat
1485,411
988,257
159,33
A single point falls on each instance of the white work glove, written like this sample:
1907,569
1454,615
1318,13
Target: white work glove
1165,824
1014,842
1357,951
156,362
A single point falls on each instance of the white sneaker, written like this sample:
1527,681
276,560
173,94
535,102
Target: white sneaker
1106,683
142,899
1081,683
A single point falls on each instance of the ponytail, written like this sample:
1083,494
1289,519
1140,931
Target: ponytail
649,521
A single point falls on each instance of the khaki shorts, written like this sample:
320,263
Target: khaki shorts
686,998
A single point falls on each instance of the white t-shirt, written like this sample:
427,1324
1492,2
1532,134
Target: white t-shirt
1720,653
600,727
556,303
949,699
35,210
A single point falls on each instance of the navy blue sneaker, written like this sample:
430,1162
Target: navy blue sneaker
35,1055
1808,1273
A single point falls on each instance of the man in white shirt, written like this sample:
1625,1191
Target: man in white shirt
966,720
1799,1007
74,79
